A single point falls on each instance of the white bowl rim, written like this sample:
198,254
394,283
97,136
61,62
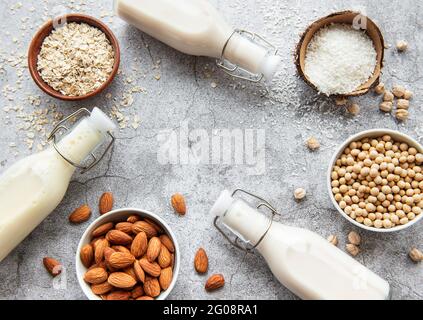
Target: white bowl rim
363,134
80,268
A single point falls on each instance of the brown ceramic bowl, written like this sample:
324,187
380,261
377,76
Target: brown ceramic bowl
35,47
344,17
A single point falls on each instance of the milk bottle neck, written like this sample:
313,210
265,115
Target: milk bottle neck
85,137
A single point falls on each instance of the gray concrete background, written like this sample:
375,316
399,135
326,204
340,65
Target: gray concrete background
290,113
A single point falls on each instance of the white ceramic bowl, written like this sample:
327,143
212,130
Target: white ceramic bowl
397,136
117,216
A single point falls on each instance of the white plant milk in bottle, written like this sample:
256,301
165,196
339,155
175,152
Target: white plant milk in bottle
196,28
301,260
34,186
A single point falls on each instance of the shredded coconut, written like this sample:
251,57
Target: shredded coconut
339,59
76,59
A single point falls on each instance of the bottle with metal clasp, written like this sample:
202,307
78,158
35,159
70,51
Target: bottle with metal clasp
34,186
195,27
304,262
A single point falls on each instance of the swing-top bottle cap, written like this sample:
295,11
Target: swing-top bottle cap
101,121
222,204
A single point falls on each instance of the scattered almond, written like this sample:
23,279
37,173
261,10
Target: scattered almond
178,203
201,261
87,255
80,214
106,202
216,281
52,266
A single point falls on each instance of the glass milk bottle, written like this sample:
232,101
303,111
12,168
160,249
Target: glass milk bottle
34,186
195,27
303,261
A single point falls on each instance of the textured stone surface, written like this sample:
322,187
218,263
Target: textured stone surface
289,114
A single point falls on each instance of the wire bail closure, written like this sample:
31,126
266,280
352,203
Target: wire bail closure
237,241
235,70
61,126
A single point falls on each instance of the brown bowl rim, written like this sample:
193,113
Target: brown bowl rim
45,30
356,92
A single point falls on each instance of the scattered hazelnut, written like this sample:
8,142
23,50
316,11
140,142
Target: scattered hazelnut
352,249
388,96
402,45
354,238
398,91
416,255
313,143
354,109
299,193
401,114
380,88
386,106
403,104
333,239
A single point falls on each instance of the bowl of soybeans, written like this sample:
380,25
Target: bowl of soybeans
375,180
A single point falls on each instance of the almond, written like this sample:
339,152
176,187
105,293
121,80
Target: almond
106,202
120,260
96,276
121,249
201,261
152,287
145,298
80,214
139,272
102,230
137,292
158,228
108,252
99,250
124,227
216,281
178,203
119,295
152,269
146,227
153,249
121,280
52,266
130,270
118,237
165,240
134,218
165,257
101,288
86,255
165,278
139,245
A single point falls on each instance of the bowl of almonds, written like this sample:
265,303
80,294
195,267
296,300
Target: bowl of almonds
375,180
127,254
